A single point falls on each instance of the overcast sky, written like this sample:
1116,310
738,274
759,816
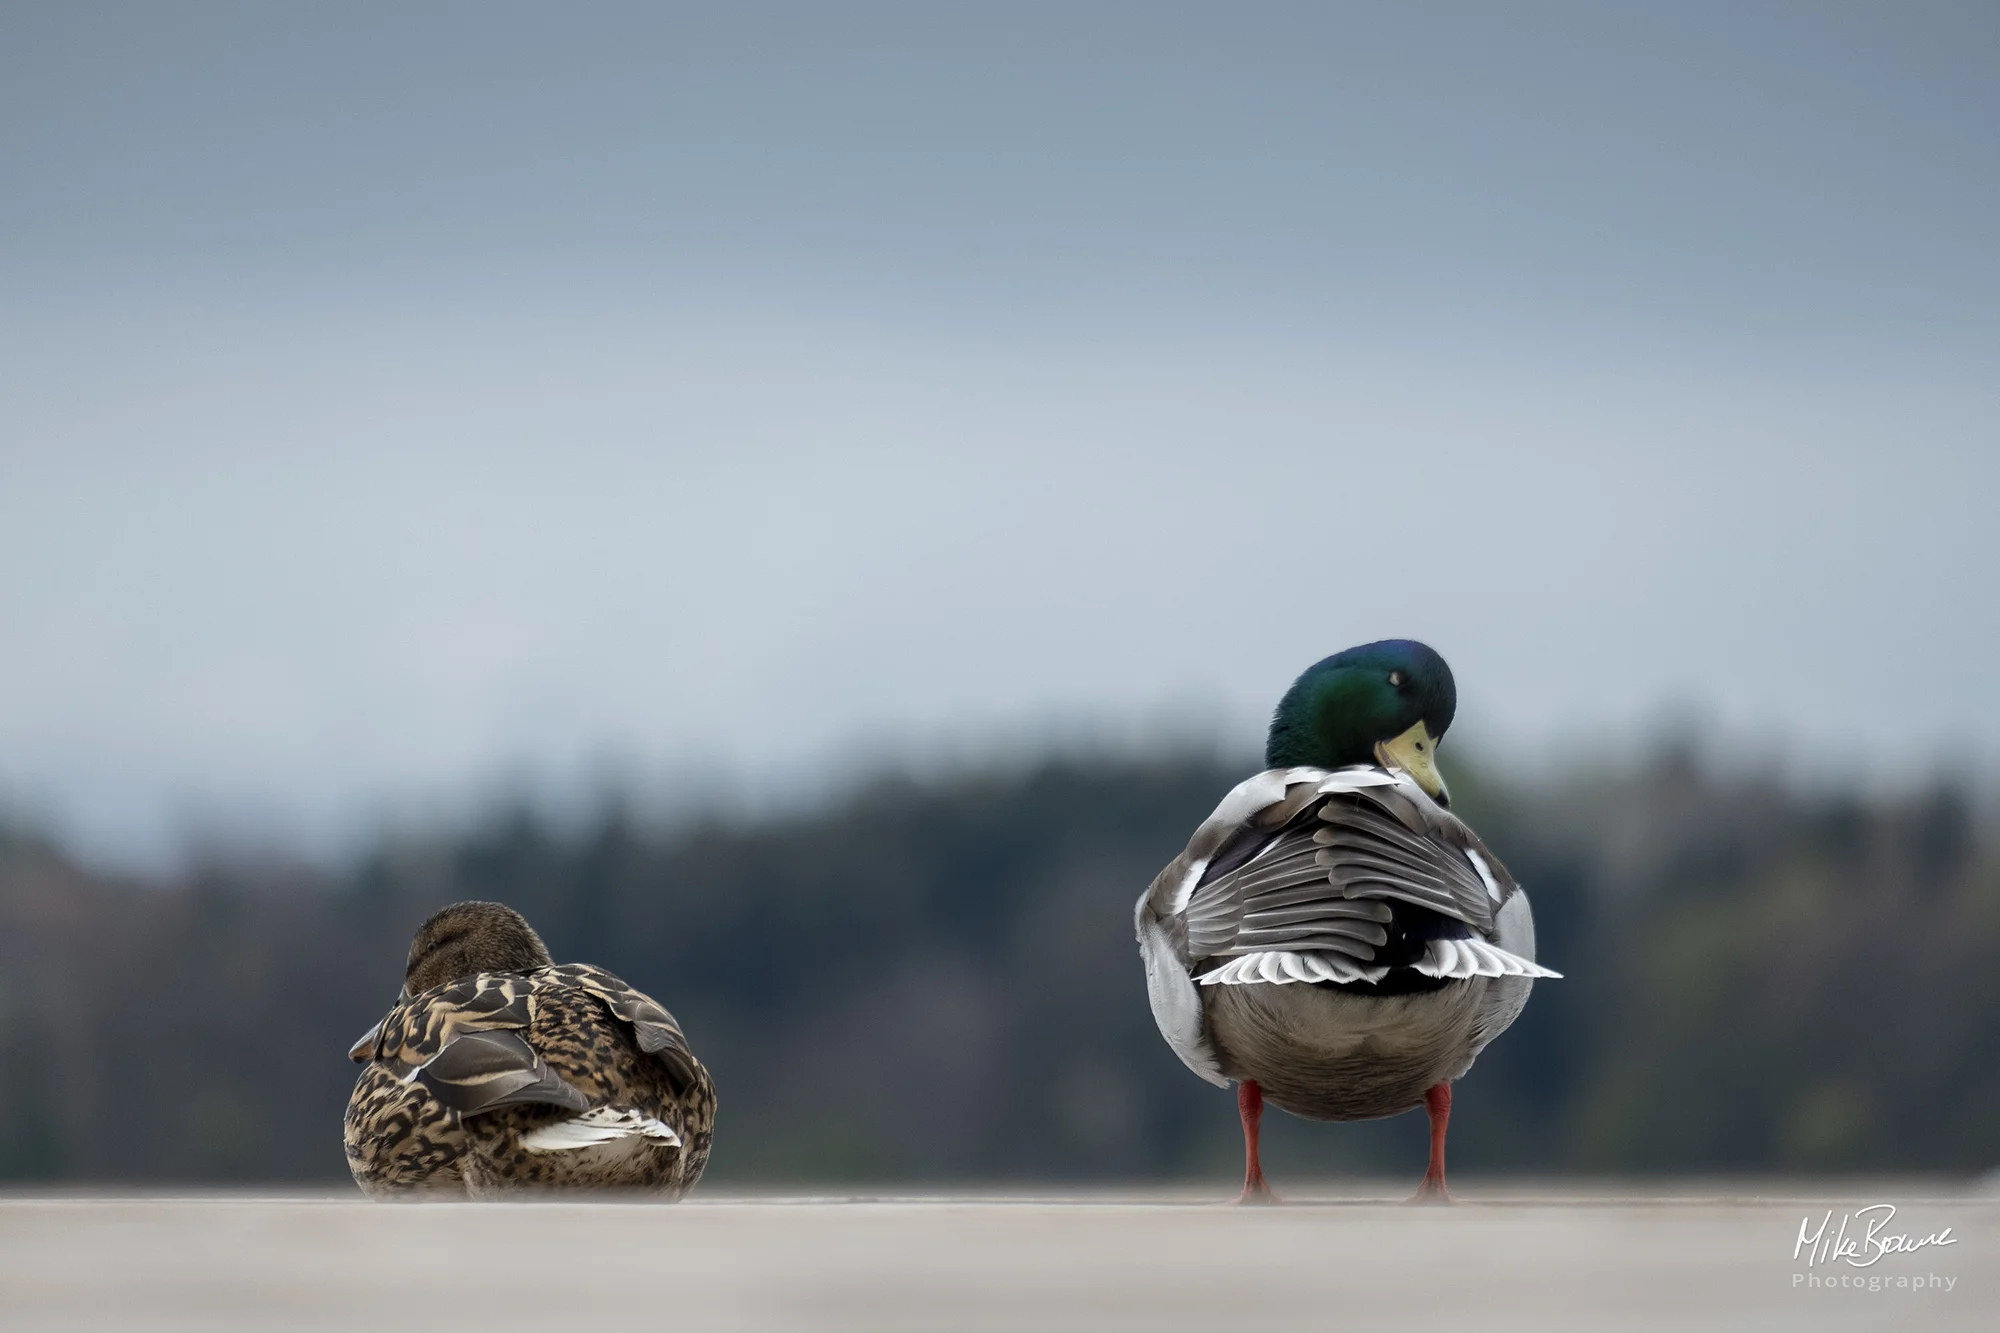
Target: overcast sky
399,401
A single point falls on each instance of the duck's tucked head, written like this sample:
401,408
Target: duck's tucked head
1383,703
468,938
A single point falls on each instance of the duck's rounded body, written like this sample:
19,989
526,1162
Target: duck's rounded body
530,1078
1351,1040
1333,939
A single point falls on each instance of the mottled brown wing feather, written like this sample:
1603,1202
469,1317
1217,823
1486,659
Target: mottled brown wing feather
421,1026
461,1042
658,1034
484,1071
362,1051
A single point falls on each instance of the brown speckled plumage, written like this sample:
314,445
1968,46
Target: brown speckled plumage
460,1073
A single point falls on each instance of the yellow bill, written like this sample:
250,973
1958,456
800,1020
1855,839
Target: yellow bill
1415,752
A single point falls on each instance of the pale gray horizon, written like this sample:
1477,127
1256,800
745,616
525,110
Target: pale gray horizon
403,401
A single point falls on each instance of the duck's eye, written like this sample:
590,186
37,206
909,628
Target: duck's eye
1397,678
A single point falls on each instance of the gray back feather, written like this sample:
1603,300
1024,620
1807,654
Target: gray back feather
1318,871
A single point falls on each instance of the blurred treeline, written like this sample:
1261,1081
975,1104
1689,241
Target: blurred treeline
937,981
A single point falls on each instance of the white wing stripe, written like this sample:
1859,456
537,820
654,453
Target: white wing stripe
606,1124
1485,873
1450,960
1279,967
1461,959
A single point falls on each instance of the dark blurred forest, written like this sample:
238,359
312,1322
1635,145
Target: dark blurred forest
937,981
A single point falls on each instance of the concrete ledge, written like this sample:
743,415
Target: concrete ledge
1560,1257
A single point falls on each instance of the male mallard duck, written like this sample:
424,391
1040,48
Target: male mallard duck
498,1071
1333,939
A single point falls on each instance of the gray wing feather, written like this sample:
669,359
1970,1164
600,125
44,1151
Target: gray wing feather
1325,881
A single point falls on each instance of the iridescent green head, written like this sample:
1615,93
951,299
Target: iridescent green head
1385,703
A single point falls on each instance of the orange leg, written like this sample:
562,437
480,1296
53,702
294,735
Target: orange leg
1250,1105
1437,1102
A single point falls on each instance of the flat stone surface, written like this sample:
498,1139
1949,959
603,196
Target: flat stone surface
1519,1259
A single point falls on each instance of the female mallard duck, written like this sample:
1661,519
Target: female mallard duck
499,1071
1333,939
